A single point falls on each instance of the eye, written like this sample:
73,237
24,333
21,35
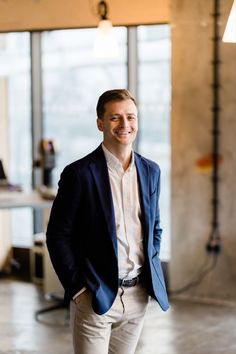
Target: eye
114,119
131,117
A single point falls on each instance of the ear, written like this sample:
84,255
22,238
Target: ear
100,124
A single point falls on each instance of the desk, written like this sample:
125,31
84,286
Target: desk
9,200
12,200
51,284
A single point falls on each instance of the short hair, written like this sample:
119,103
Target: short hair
112,95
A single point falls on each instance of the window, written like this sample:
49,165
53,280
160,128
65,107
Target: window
15,71
72,81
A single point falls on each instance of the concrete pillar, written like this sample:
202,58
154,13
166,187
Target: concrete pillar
192,31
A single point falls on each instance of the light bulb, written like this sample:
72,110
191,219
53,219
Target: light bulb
230,29
106,45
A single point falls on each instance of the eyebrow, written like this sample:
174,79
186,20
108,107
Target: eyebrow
127,114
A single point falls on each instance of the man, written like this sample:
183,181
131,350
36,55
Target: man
104,236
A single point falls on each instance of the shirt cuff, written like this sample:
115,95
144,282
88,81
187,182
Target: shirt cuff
79,292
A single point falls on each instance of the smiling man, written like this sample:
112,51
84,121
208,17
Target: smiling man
104,235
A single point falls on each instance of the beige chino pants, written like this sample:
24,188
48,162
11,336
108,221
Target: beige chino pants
115,332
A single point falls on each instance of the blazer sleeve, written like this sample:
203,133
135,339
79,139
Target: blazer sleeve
157,231
61,229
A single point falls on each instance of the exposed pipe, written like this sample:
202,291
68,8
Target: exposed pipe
214,242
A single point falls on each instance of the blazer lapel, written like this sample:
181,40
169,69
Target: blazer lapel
143,179
99,170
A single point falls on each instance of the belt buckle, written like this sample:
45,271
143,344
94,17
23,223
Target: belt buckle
129,282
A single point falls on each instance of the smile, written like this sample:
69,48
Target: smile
123,132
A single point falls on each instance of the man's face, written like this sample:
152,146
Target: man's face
119,123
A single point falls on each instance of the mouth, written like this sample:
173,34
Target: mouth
123,132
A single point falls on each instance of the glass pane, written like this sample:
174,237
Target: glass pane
72,82
154,87
15,71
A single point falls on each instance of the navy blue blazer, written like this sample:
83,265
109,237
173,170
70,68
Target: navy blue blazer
81,233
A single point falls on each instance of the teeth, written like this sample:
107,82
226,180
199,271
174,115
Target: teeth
122,133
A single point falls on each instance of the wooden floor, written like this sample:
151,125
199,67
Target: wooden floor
187,328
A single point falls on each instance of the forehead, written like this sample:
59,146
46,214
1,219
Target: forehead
121,106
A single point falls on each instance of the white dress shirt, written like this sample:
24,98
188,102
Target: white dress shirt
125,195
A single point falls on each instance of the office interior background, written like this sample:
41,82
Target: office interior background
49,85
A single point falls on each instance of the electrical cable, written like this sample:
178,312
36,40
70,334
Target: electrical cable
200,276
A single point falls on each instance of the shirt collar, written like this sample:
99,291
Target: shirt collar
113,162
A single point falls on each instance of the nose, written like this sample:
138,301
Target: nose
123,122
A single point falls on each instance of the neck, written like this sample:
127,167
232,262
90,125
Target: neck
123,154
